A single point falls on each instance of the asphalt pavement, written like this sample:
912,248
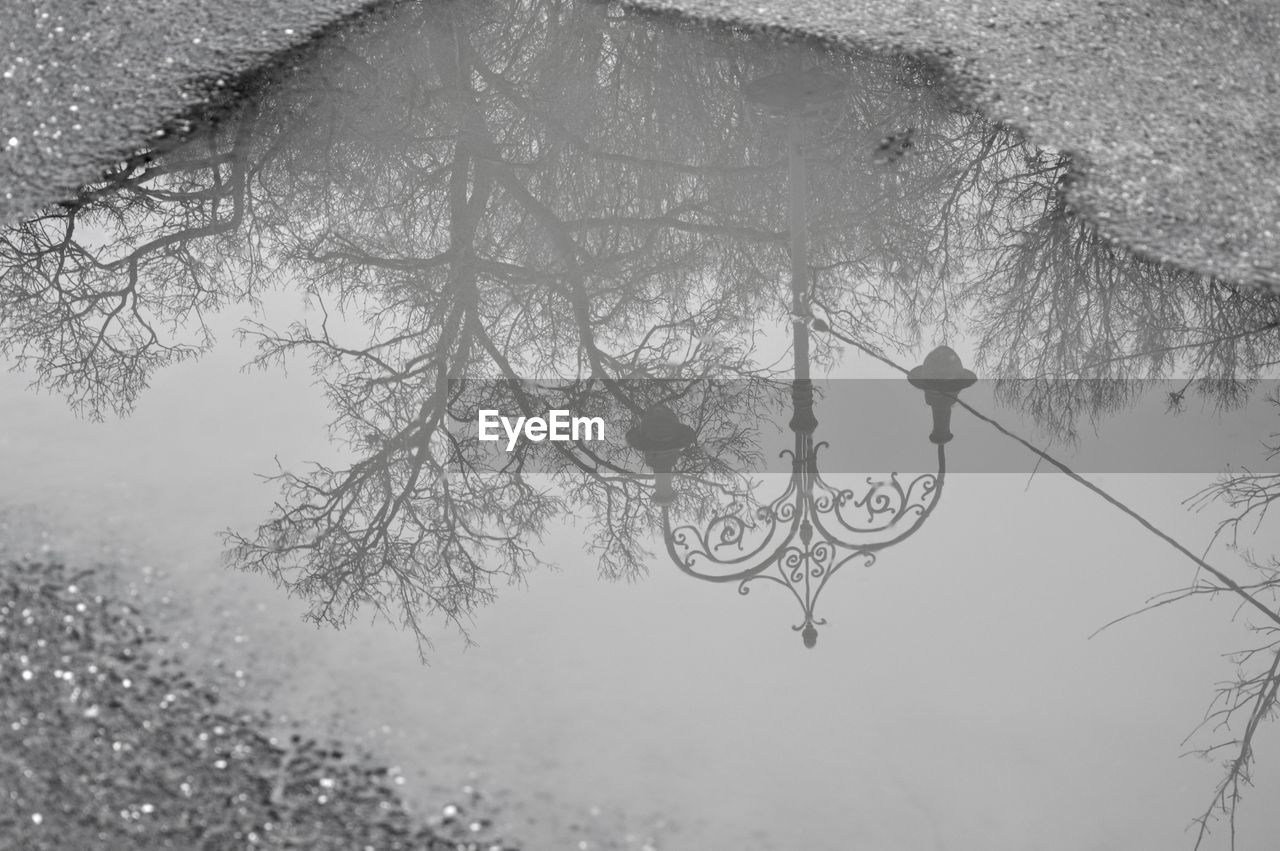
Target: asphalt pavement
84,83
1170,108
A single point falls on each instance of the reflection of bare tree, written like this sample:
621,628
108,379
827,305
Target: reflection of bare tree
1253,696
1248,494
100,291
579,98
1076,328
1079,329
481,195
469,278
473,197
632,231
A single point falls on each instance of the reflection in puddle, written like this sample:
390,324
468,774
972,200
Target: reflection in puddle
722,247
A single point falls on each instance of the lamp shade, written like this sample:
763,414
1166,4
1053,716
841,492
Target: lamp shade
942,376
942,372
661,437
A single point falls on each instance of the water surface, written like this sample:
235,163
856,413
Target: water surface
780,604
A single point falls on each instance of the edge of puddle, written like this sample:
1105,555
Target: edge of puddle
1168,132
1204,200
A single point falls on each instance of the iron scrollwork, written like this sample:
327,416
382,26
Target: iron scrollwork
803,537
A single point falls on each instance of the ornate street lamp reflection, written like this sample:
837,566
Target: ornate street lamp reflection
813,529
805,535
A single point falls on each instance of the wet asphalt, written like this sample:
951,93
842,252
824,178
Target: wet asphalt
1170,108
83,83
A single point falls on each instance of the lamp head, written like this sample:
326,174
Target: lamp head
660,430
942,376
942,372
661,438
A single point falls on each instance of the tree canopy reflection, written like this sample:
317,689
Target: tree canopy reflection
570,192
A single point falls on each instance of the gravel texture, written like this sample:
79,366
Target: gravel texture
1171,108
107,743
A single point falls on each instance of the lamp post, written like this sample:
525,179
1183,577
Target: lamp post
812,530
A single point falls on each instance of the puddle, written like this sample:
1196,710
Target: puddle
775,274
